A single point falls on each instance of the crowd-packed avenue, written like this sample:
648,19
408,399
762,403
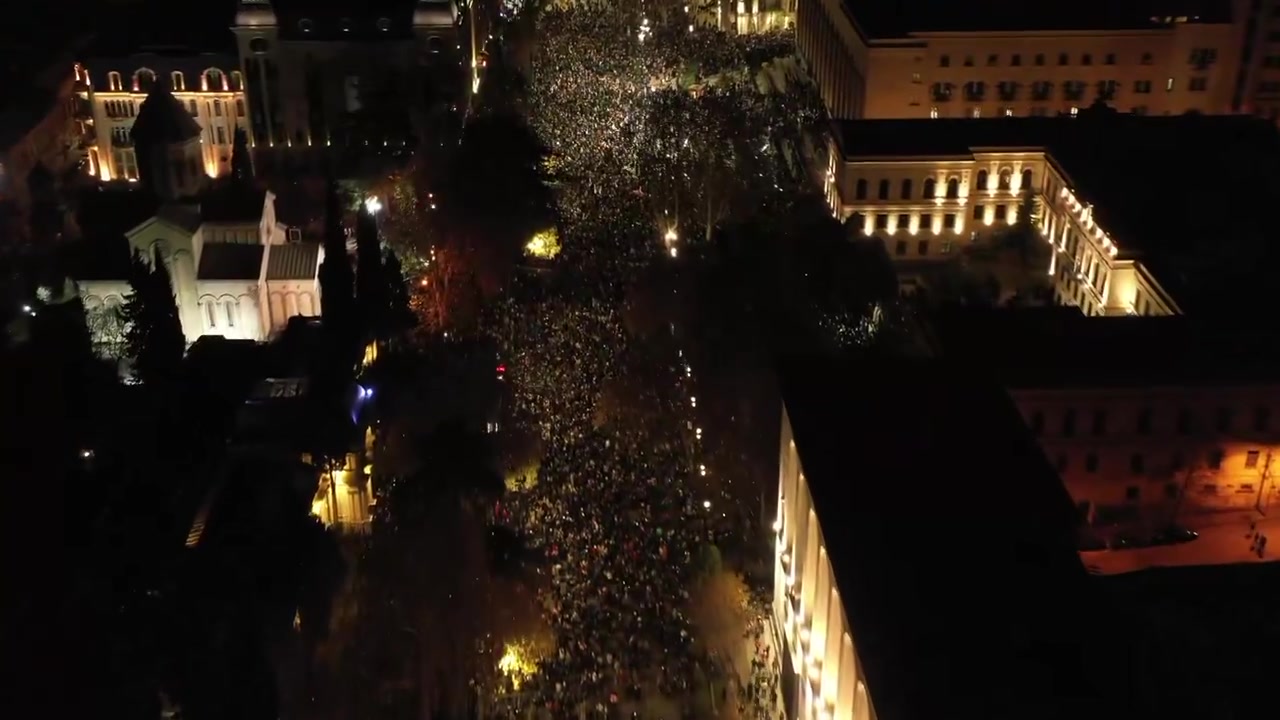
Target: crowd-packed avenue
613,510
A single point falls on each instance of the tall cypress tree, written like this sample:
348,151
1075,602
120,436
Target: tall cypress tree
153,335
337,302
241,160
337,280
371,286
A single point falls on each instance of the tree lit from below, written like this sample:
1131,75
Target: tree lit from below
544,245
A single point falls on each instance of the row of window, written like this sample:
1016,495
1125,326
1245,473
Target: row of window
120,108
881,222
230,310
905,188
1200,58
1138,462
217,106
211,80
1224,420
1042,90
999,213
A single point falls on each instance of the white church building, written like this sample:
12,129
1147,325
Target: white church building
234,274
236,271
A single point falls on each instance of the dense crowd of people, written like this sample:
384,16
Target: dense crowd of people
611,511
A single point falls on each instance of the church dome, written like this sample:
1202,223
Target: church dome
163,120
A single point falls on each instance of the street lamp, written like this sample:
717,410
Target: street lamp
706,505
373,204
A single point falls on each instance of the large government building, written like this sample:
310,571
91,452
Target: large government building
925,562
938,58
1127,206
112,88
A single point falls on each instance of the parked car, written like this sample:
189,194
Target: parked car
1174,535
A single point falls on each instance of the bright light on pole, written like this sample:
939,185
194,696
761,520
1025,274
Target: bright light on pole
706,504
373,204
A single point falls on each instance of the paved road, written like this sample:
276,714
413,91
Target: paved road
1227,540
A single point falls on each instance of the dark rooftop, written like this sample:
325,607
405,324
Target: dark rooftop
1059,347
884,19
951,538
1222,611
1189,195
230,261
232,203
293,262
347,21
163,120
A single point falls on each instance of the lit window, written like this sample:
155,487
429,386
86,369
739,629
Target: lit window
1074,111
933,112
113,82
178,81
1168,85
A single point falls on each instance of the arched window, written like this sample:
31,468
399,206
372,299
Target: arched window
213,81
177,81
237,81
860,190
259,45
231,310
930,188
1006,179
953,188
983,178
884,190
1027,178
435,44
143,80
209,308
906,189
113,82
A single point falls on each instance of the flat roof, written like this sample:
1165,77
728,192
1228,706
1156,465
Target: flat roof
1175,613
1045,348
885,19
951,538
1189,195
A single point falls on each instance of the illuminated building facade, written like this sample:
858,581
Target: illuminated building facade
236,272
927,58
112,89
1188,423
931,188
319,75
879,611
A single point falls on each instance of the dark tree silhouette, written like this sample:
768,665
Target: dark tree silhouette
153,334
241,159
400,315
337,299
371,282
493,196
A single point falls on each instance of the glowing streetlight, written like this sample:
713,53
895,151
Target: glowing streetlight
373,204
671,236
702,470
706,504
673,252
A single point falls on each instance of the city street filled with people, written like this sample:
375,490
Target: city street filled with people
612,510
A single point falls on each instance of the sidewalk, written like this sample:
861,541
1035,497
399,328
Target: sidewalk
760,680
1223,540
